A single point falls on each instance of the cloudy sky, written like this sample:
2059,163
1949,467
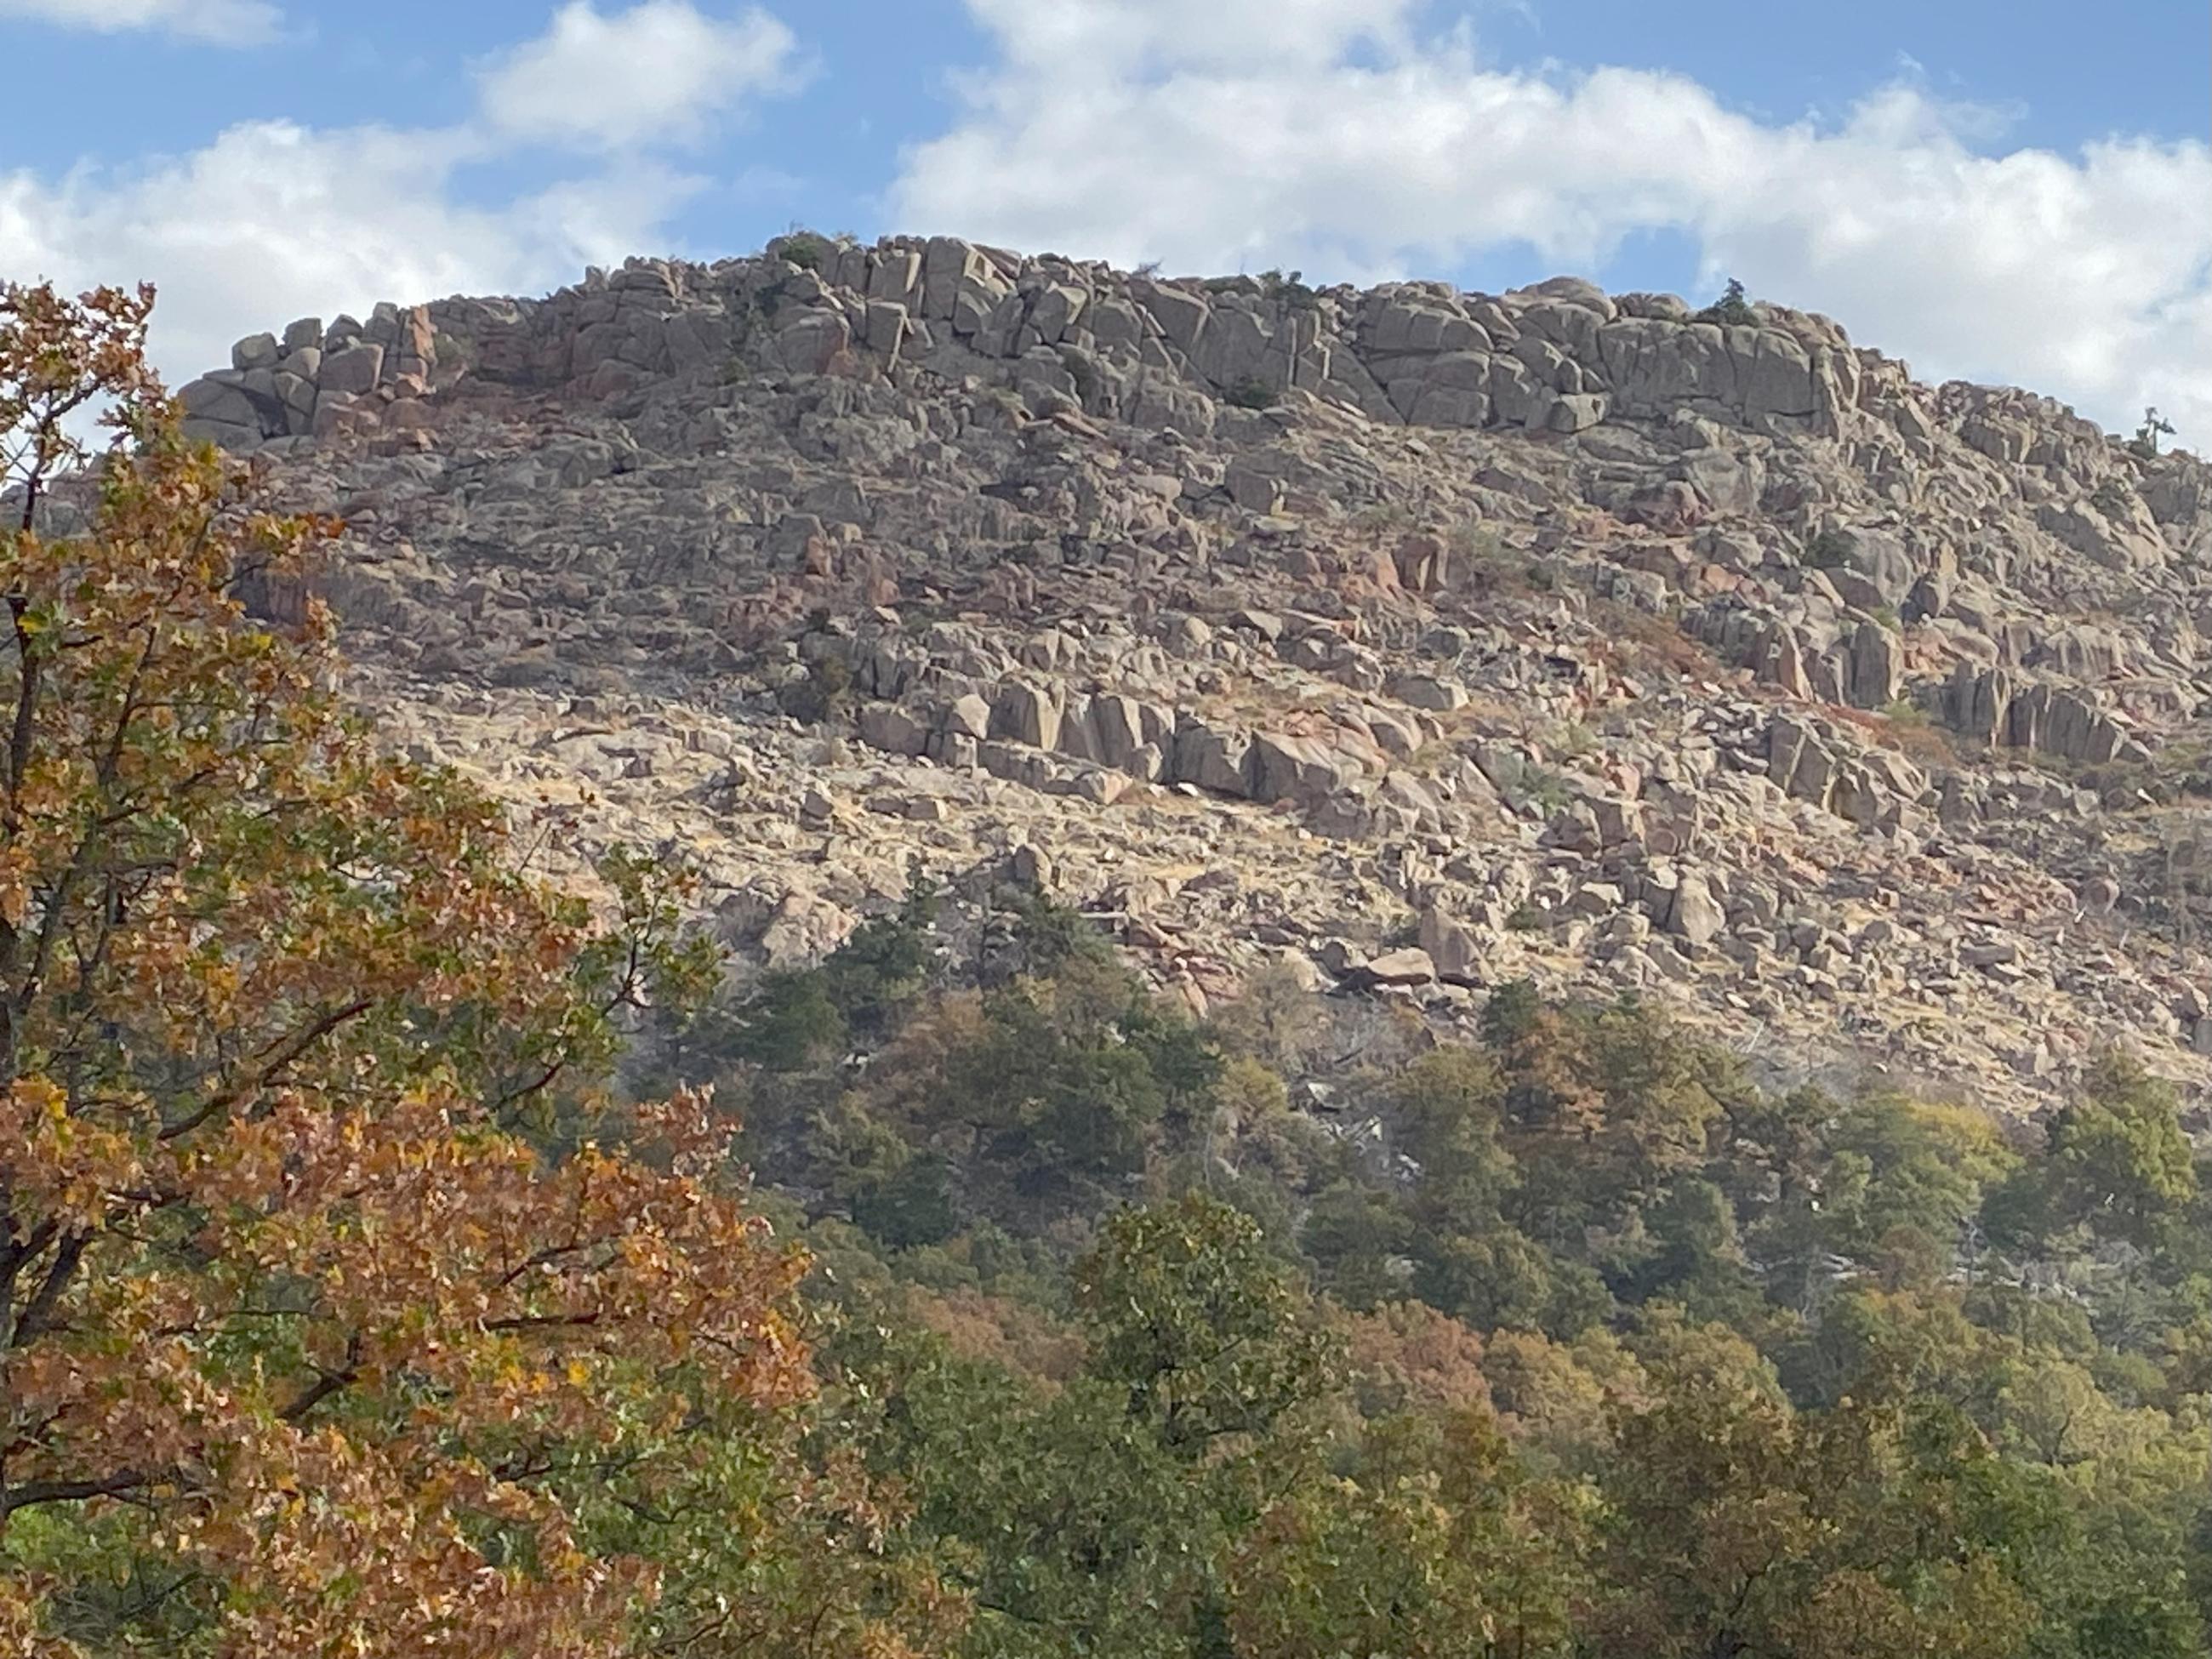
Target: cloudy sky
1995,189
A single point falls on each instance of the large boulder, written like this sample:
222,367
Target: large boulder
352,369
1417,324
212,401
1776,378
950,269
1878,556
1877,667
1407,967
887,726
1130,734
255,352
816,341
1214,758
967,716
1181,315
1306,770
1028,714
1800,764
1454,949
1696,917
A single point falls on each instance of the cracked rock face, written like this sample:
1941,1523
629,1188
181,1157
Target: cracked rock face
1422,640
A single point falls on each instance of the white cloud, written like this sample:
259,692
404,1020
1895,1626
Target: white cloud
226,22
1337,141
656,73
272,219
1082,38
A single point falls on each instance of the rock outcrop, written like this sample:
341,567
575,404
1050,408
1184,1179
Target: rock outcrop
315,382
1417,639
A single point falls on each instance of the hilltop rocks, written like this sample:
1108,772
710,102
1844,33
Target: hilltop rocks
314,383
1558,358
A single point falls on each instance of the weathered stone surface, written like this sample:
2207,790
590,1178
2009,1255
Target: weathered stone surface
1027,713
352,370
1696,916
1410,966
1213,759
220,405
889,727
814,341
1302,770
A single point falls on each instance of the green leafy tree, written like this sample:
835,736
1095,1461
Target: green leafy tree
1191,1312
1443,1549
2120,1160
2118,1165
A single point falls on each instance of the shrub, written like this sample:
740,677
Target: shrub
1829,551
1731,310
1484,564
826,692
1249,393
1291,290
1545,789
806,249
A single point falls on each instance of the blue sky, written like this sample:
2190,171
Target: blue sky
2001,191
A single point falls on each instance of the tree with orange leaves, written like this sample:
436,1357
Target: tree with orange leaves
313,1340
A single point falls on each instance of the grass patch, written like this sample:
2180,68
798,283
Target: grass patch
1631,639
1904,727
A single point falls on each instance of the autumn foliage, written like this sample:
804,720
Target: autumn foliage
325,1327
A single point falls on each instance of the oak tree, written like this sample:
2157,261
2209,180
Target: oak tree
313,1306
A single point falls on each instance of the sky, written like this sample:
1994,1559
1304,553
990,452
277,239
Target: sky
1995,190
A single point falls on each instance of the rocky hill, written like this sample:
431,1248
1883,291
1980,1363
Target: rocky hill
1418,639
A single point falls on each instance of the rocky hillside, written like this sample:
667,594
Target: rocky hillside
1417,639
